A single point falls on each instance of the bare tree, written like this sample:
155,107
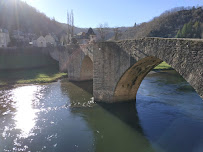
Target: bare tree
70,22
117,33
102,30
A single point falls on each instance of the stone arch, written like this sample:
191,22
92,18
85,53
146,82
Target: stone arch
128,85
86,72
185,56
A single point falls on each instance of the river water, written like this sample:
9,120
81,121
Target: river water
62,117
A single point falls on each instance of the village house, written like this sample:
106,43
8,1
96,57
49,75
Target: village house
4,38
92,36
50,40
82,38
40,42
85,38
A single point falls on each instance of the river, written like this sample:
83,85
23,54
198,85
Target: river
62,117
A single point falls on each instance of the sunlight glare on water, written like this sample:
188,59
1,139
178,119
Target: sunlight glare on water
24,98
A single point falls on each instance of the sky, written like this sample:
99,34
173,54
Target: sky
116,13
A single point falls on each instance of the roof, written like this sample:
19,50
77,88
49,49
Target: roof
81,33
90,31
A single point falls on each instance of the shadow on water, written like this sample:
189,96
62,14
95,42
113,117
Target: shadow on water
85,85
126,112
115,127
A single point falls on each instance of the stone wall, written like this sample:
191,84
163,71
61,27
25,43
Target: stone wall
25,58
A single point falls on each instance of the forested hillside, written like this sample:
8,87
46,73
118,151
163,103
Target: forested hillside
168,24
18,15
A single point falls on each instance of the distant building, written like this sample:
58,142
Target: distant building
4,38
64,39
40,42
81,35
92,36
50,40
85,38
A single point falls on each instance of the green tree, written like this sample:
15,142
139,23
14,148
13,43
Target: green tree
190,30
178,35
197,30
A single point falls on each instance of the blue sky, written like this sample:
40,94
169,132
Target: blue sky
91,13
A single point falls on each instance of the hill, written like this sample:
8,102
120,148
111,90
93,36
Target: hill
18,15
166,25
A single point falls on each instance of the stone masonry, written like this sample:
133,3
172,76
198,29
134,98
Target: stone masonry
118,68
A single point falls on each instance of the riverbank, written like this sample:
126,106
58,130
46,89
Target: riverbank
163,66
32,76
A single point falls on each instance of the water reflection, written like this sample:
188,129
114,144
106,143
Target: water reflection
24,99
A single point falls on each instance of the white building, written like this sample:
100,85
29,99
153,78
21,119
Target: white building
4,38
40,42
50,40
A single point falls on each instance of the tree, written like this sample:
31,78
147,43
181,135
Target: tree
102,30
70,23
197,29
190,30
178,35
184,31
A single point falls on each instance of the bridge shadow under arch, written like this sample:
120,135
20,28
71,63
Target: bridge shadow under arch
128,85
86,72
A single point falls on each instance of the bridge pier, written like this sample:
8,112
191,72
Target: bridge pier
110,62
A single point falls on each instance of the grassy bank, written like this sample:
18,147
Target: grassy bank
163,66
41,75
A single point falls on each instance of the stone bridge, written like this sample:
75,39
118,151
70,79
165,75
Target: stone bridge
118,68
